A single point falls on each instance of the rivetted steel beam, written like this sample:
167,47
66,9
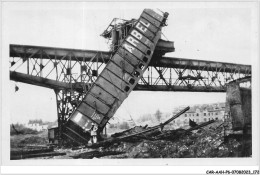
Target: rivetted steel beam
164,46
27,51
45,82
183,63
38,81
24,51
57,85
140,87
243,80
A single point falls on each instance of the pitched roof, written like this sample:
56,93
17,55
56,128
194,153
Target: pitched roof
204,107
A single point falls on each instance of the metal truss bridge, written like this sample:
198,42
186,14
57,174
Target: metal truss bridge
72,69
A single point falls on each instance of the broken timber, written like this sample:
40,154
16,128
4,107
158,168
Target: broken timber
97,154
177,133
160,126
172,134
121,138
200,126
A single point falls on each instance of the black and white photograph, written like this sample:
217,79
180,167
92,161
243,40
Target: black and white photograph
130,81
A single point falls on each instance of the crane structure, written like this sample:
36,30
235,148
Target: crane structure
90,85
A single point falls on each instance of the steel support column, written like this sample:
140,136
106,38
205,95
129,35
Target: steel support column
67,101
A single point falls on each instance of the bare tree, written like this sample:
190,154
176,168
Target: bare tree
158,115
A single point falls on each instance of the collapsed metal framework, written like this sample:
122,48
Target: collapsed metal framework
130,58
70,72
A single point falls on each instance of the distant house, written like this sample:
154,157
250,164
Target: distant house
37,126
201,114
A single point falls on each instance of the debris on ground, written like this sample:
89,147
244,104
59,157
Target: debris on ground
213,138
95,154
32,152
205,142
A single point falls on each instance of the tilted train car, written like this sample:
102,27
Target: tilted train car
118,78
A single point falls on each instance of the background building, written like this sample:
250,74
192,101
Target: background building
200,113
37,126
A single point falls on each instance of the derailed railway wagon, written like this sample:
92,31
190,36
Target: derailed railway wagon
118,78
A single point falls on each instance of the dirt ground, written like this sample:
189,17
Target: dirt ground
23,144
29,139
209,141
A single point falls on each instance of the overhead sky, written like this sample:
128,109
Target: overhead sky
207,31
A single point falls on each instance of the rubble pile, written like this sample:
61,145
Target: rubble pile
209,141
130,131
205,140
213,138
